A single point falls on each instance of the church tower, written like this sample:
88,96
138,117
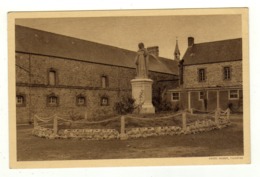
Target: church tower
177,53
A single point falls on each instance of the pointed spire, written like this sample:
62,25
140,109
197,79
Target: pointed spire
177,51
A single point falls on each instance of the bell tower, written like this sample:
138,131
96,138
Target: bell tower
177,53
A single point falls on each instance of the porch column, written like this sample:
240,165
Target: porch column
189,101
217,98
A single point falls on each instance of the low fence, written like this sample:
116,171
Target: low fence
48,127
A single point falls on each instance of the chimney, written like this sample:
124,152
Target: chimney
153,50
190,41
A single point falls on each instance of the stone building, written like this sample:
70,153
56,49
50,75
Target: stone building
57,74
210,76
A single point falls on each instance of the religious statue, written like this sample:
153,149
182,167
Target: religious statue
142,61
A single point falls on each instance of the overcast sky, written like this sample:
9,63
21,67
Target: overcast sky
127,32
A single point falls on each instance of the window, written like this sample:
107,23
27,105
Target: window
175,96
227,73
52,100
202,75
52,77
233,94
104,101
201,95
104,82
20,100
81,101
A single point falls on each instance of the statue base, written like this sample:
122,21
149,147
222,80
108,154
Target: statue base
142,93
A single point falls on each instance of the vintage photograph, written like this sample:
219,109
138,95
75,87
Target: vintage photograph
119,88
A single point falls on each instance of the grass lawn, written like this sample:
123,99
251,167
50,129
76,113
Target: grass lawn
225,142
147,121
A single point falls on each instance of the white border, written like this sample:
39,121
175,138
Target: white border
252,170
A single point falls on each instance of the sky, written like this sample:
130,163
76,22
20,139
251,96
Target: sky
127,32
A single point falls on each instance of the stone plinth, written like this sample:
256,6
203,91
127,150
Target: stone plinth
142,93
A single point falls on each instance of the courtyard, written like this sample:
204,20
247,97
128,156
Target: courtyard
225,142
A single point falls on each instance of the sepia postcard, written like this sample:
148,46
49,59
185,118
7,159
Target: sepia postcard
129,88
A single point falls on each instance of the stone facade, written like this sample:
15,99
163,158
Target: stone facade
73,78
214,75
215,87
220,83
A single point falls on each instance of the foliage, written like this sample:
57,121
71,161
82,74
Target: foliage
74,116
176,107
125,105
162,105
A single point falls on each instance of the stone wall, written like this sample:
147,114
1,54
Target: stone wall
74,78
214,75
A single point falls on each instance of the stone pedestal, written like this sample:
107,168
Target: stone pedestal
142,93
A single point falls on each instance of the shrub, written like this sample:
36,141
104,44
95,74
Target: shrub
176,107
161,104
125,105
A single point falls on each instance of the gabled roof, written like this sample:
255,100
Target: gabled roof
212,52
35,41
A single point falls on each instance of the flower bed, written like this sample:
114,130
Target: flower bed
131,133
206,125
90,134
44,132
152,131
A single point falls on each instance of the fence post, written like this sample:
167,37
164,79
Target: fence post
217,114
184,120
191,111
122,131
35,123
228,113
55,125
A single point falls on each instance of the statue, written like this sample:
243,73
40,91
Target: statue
142,61
142,85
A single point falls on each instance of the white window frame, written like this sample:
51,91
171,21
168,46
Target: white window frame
229,93
206,92
178,96
201,99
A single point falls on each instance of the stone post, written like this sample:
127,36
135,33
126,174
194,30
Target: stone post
55,125
228,114
191,111
123,135
184,120
217,114
35,122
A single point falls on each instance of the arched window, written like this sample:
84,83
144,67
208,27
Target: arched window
104,81
52,76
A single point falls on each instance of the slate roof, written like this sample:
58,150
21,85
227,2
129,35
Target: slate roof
212,52
35,41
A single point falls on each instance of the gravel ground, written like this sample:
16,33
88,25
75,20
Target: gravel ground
225,142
